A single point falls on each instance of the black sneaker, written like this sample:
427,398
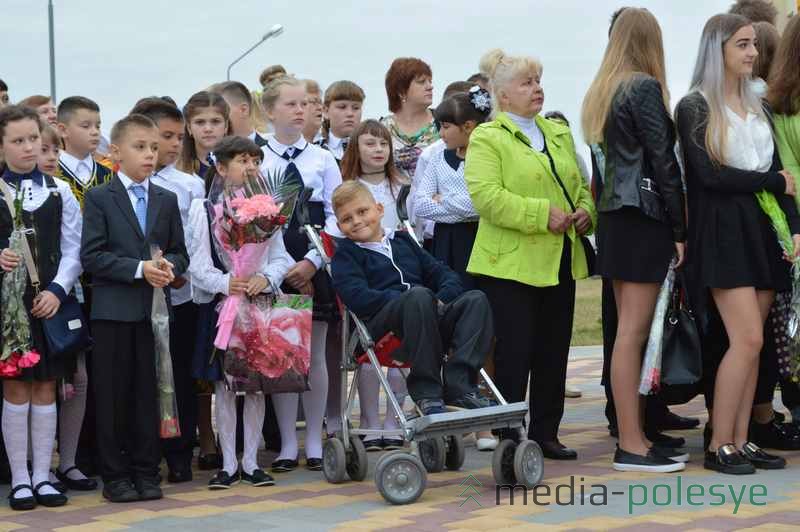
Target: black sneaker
373,445
222,480
676,455
258,478
472,401
729,461
148,488
761,459
431,406
650,463
775,435
120,491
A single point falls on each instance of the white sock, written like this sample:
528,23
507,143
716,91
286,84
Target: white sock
315,399
398,385
368,394
225,409
71,418
254,408
15,436
44,419
286,412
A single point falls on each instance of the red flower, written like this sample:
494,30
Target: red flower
9,368
29,359
170,428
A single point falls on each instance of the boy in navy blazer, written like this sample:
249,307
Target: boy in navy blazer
395,286
122,219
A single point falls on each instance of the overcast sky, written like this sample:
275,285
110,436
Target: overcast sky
118,51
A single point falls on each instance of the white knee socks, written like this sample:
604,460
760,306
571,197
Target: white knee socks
254,409
71,417
225,411
368,398
43,434
15,436
313,403
398,385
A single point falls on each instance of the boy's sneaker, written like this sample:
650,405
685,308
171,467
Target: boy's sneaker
431,406
650,463
373,445
391,444
258,478
472,401
223,480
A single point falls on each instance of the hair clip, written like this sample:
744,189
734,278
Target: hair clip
480,99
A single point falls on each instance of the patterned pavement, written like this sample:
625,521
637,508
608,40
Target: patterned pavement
302,500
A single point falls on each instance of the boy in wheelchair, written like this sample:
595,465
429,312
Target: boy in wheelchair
393,285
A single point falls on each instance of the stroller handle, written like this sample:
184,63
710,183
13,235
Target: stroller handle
402,196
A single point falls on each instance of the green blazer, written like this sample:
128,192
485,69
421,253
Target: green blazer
787,135
512,187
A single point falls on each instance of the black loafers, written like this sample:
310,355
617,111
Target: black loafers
672,421
314,464
761,459
284,466
727,459
555,450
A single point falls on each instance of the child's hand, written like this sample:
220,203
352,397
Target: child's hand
9,260
307,289
437,198
154,275
45,305
301,273
236,286
257,284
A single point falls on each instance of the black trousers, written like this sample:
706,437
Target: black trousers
179,451
655,407
427,332
533,327
127,404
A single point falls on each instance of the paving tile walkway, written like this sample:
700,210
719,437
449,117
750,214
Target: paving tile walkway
304,501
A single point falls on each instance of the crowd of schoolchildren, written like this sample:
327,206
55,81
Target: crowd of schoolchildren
501,207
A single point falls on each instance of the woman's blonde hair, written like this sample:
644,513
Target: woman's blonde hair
502,69
709,80
634,48
273,90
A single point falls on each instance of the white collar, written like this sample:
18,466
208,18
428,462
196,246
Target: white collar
388,235
280,148
127,182
334,141
72,162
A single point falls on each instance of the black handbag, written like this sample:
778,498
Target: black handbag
588,248
681,350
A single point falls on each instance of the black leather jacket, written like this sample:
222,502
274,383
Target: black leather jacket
641,169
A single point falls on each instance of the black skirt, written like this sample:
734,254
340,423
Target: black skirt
633,247
452,244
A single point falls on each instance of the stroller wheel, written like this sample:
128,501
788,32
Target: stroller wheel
455,453
528,463
400,478
357,460
503,463
333,460
432,452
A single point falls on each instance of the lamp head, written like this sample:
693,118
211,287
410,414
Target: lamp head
274,31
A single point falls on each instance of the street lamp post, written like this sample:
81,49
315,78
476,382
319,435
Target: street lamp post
274,31
52,52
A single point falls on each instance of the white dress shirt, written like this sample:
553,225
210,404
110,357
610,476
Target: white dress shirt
336,146
749,145
33,197
128,183
318,169
207,280
82,169
187,187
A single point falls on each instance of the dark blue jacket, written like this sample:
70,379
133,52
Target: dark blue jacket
366,280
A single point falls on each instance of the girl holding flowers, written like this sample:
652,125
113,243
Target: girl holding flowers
46,213
211,250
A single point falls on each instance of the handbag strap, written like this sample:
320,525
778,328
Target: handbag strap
26,249
558,178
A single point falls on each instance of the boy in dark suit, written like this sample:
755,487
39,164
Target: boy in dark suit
123,218
394,285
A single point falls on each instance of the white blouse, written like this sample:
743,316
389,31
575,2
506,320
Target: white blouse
749,145
455,205
33,197
207,280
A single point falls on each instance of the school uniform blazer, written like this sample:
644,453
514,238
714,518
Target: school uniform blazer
112,245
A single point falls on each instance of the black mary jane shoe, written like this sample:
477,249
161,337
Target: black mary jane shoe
314,464
50,500
83,484
21,503
727,459
761,459
284,466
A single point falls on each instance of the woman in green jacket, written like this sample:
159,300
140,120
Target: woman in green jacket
528,250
